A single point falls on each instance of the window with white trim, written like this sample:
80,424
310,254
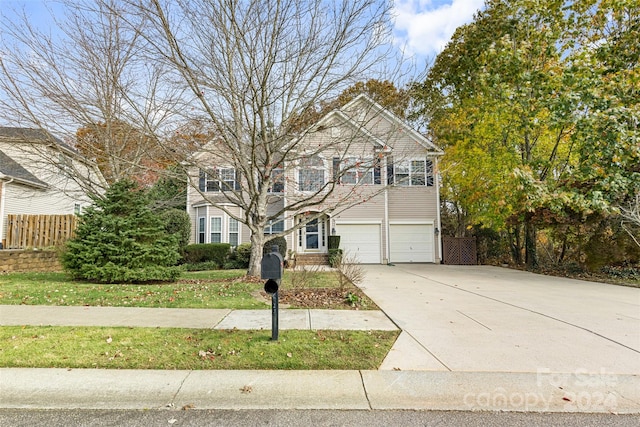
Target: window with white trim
221,179
216,229
412,173
356,171
311,174
201,229
233,232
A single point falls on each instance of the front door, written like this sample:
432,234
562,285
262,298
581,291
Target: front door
313,236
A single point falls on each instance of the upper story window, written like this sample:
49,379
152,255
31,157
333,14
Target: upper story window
353,170
311,174
411,173
222,179
277,180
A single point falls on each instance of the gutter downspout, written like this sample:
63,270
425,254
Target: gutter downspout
386,222
439,224
3,183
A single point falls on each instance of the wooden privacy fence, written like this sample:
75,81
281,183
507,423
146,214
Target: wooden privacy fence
459,250
39,231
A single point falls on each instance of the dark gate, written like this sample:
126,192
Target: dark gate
459,250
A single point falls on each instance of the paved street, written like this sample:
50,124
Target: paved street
243,418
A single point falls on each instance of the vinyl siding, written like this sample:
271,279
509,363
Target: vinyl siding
60,198
412,203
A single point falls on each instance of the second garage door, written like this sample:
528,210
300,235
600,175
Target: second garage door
361,241
411,242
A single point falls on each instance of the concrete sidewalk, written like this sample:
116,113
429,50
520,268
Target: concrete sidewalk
18,315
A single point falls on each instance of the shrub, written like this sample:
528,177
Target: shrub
349,270
178,223
335,257
120,239
207,252
333,242
281,242
243,254
202,266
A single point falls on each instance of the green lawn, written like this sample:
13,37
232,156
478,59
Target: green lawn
203,289
174,348
170,348
194,290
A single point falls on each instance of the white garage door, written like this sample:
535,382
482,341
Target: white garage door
361,241
411,243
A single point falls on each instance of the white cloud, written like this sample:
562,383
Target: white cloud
423,27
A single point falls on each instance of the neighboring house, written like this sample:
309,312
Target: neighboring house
386,170
36,176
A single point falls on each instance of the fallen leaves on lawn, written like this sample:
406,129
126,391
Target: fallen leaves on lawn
314,297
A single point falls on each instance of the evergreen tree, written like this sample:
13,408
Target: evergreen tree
120,239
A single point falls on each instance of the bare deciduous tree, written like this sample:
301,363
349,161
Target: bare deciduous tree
252,68
631,217
89,71
246,71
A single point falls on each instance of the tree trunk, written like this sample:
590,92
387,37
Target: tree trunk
530,236
516,246
257,243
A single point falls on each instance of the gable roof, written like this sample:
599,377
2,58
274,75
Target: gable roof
380,110
11,169
352,123
36,136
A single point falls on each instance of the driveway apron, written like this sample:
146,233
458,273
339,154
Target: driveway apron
483,318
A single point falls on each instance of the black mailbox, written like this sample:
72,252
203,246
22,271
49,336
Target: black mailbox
272,264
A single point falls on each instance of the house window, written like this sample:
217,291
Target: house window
277,180
274,227
233,232
412,173
356,171
311,174
76,208
201,229
223,179
216,229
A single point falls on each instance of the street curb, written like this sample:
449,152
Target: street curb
348,390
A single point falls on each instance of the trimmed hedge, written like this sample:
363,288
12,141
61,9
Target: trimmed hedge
281,242
207,252
334,242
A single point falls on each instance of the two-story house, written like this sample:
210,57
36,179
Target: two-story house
40,175
373,177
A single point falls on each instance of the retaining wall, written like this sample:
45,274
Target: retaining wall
18,260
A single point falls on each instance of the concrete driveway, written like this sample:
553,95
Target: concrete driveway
482,318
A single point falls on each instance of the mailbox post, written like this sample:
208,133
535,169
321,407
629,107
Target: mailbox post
271,269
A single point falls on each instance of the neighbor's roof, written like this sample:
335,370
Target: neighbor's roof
33,135
11,169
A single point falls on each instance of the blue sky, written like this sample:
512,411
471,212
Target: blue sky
421,27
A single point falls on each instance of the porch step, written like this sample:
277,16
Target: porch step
312,259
